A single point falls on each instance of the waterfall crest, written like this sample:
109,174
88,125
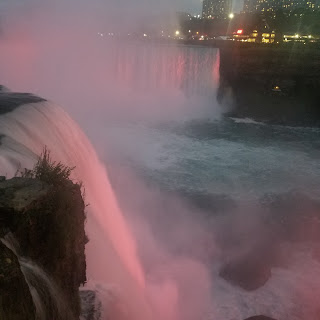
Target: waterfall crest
111,252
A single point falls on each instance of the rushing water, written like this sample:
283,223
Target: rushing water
47,298
223,170
188,188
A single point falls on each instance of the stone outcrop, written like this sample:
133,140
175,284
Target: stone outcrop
277,85
15,298
249,272
11,100
90,305
48,223
260,317
286,218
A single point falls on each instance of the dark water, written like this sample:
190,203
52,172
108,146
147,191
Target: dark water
223,186
255,187
224,157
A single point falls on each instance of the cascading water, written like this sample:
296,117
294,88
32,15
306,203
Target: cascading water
194,71
242,160
46,297
111,253
179,73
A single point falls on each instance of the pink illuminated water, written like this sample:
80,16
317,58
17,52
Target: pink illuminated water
111,252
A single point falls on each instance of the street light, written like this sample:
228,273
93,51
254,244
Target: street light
231,16
177,32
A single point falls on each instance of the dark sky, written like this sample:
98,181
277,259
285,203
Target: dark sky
190,6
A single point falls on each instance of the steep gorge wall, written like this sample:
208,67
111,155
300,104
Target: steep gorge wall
249,77
48,223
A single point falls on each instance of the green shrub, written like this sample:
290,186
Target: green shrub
49,171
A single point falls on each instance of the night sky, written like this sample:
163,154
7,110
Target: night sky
190,6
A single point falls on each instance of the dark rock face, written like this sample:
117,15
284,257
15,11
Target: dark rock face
15,299
91,306
274,85
48,223
260,317
9,101
285,218
249,272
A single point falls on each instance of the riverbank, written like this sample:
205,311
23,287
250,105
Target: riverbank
279,85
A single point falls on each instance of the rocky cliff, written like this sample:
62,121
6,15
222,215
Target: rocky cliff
279,85
47,223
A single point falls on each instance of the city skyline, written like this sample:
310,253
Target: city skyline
216,8
195,6
191,6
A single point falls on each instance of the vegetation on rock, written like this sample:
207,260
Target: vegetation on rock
44,210
49,171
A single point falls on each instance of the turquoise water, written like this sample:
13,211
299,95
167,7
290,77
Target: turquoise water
226,167
239,159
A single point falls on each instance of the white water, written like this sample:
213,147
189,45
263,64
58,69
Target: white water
46,296
179,78
243,166
243,161
111,253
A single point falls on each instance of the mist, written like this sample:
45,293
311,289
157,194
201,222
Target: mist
55,50
64,52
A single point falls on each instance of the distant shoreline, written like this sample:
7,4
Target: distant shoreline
273,85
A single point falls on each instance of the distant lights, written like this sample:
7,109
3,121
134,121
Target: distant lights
276,89
296,36
177,32
145,35
231,16
239,31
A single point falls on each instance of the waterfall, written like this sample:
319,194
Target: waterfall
193,70
111,252
46,297
151,81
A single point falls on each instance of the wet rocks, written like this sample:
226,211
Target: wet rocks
249,272
289,218
90,305
9,101
15,299
48,223
260,317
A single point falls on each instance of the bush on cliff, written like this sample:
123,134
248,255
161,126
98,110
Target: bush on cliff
49,171
51,229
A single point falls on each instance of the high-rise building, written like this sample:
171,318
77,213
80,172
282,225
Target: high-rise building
273,5
216,8
249,6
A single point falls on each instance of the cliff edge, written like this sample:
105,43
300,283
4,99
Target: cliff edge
46,222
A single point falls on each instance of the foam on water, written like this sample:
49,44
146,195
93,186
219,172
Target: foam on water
230,159
220,161
244,160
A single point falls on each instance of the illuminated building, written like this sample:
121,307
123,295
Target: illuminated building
216,8
273,5
255,36
271,37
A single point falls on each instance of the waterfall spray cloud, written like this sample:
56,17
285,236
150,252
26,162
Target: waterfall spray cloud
149,248
55,49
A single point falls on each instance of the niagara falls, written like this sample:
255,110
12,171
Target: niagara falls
157,164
